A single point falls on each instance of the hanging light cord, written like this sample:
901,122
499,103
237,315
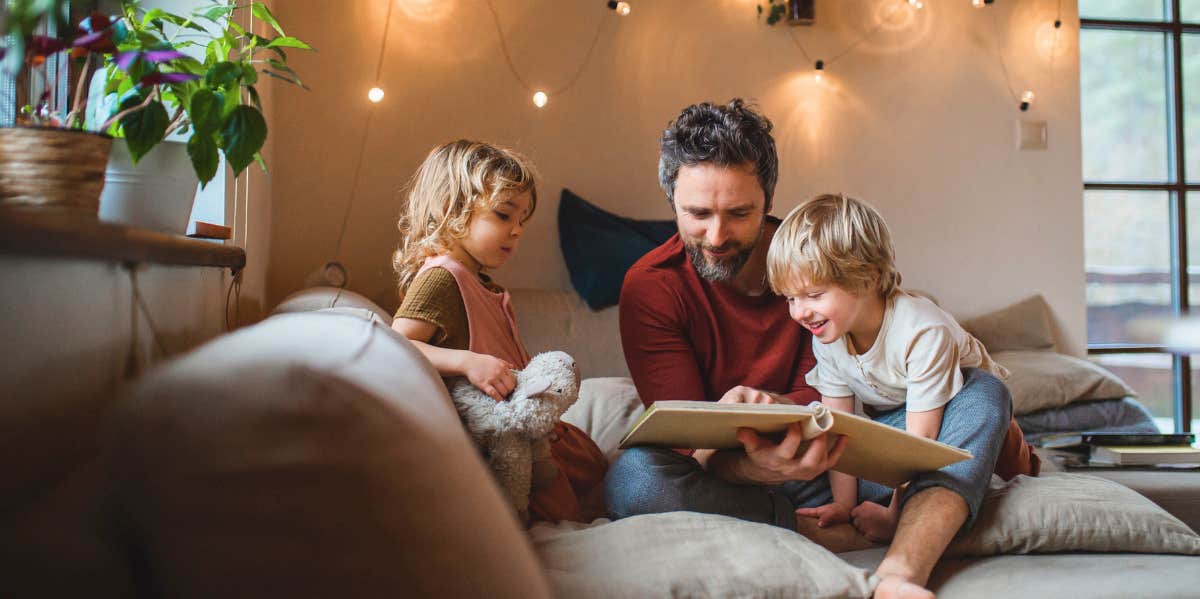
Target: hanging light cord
513,69
866,36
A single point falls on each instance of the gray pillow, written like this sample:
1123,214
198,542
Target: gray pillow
686,554
1072,512
606,410
1023,325
1039,380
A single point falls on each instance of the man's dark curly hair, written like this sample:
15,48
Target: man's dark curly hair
729,135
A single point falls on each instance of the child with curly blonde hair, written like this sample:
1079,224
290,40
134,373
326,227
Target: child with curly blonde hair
465,213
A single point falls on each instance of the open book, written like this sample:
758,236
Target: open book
876,452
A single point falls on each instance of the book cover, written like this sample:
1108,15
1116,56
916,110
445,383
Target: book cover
1144,455
875,451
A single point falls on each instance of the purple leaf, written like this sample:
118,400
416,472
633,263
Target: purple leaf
125,59
162,55
156,78
91,38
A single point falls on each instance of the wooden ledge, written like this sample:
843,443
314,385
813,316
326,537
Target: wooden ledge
25,232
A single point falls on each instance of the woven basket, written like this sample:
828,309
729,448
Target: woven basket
56,170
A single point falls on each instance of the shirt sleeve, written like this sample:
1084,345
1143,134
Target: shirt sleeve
660,357
433,297
934,377
824,377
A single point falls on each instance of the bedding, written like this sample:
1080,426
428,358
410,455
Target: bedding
1112,415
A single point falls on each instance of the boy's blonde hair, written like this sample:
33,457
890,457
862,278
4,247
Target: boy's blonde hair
456,181
833,239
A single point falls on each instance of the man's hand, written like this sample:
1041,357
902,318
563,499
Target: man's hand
827,515
742,394
771,463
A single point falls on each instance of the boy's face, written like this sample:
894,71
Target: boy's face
720,214
827,310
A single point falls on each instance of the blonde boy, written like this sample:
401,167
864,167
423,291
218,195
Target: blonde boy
903,359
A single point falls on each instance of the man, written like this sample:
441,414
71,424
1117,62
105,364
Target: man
698,321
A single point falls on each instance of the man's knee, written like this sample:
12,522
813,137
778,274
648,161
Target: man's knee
984,389
639,481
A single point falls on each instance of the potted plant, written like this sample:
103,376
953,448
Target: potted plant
192,76
50,161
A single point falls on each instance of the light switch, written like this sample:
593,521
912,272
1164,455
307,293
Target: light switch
1031,135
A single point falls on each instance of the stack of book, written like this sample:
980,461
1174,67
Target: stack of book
1128,449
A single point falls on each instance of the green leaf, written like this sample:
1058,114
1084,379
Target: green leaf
203,152
279,66
261,11
224,74
243,136
143,128
205,112
261,163
254,96
216,13
249,75
288,42
284,77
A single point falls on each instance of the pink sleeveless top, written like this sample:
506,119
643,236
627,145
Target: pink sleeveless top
491,322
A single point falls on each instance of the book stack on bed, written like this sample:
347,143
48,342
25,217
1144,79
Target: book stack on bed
1110,450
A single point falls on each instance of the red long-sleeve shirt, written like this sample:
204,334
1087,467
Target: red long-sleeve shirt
687,338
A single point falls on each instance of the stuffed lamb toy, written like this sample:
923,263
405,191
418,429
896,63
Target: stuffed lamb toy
514,432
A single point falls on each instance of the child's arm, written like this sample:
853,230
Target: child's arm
490,374
926,424
844,486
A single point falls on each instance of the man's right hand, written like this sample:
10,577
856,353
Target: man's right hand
767,462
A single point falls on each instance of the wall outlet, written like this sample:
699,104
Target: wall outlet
1031,135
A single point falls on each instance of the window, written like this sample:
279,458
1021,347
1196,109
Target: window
1140,105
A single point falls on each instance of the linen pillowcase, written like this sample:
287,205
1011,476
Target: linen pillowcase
599,246
687,554
1072,512
1040,380
1023,325
606,409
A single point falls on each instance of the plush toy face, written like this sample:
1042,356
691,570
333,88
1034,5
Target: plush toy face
551,377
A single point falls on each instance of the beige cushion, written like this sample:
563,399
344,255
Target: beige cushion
1039,380
1072,512
318,298
1023,325
685,554
606,410
550,320
311,455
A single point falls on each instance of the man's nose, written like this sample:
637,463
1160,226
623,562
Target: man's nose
716,235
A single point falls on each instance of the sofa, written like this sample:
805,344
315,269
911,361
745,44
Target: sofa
317,454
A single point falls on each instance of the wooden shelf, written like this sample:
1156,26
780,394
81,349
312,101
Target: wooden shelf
23,232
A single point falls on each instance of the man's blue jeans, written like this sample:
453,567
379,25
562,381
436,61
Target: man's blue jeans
647,480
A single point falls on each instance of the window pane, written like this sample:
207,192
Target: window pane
1123,96
1141,10
1190,10
1150,376
1127,262
1191,103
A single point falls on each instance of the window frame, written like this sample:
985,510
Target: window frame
1177,189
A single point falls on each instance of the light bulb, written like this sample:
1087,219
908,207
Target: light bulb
977,3
818,69
375,95
540,98
1027,96
623,9
916,4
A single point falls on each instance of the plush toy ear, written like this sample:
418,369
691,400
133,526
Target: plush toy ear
536,386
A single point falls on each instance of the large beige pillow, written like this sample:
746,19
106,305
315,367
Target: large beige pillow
1072,512
606,410
1023,325
1039,380
686,554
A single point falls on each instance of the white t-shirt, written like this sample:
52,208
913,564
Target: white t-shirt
917,359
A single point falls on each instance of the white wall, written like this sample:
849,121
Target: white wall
916,120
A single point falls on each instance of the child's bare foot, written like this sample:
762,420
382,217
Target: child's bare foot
898,587
836,538
876,522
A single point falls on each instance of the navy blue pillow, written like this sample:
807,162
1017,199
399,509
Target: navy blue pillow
600,246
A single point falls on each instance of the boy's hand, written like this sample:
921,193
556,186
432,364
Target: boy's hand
827,515
490,374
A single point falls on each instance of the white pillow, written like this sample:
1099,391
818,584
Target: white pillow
686,554
1072,512
606,409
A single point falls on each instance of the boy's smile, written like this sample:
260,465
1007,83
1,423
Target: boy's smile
830,312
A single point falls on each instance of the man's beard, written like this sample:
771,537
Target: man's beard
724,268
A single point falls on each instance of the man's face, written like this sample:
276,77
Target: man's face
720,211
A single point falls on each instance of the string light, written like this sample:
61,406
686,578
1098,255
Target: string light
916,4
1026,100
818,69
621,8
977,3
540,98
375,95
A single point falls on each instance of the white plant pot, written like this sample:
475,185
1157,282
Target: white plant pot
156,194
